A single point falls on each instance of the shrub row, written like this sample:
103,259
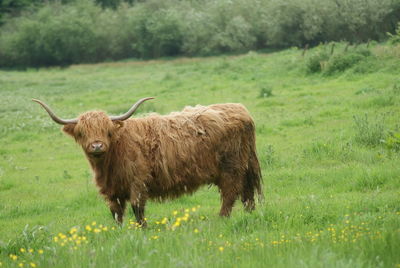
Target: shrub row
329,63
82,31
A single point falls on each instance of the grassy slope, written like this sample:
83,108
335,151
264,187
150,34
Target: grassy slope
329,201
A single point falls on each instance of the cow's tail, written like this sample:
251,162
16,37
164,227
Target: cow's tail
253,180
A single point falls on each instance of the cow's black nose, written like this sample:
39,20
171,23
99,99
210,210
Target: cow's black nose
97,146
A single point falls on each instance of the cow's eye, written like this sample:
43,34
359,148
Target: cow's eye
109,134
79,135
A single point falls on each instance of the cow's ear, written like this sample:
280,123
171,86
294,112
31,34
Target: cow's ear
118,124
69,129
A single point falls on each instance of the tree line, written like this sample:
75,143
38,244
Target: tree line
45,33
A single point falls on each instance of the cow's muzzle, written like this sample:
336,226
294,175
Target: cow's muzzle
96,149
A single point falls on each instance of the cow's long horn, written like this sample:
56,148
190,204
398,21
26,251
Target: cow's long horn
131,110
55,117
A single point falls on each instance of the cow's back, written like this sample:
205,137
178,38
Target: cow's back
193,145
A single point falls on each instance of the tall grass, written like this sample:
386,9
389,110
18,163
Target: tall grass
331,199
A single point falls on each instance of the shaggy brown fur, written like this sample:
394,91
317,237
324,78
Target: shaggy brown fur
159,157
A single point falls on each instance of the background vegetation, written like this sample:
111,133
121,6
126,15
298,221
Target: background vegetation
328,140
68,32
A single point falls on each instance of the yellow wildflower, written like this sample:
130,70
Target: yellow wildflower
175,212
221,249
22,250
105,228
187,210
30,250
196,230
32,264
193,209
40,251
20,264
88,228
62,236
96,230
13,257
93,223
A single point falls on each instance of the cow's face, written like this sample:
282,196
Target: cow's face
94,131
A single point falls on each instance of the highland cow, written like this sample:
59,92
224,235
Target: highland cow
164,156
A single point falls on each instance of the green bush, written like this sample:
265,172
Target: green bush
197,31
221,26
56,35
159,34
114,28
315,62
343,61
286,23
395,38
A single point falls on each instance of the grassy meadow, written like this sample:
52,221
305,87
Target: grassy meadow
328,141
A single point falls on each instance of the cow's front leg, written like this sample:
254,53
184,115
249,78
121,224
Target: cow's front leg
138,205
117,208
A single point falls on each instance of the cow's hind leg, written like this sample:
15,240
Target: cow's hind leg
117,208
248,198
230,191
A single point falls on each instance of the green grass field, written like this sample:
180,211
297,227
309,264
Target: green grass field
328,146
